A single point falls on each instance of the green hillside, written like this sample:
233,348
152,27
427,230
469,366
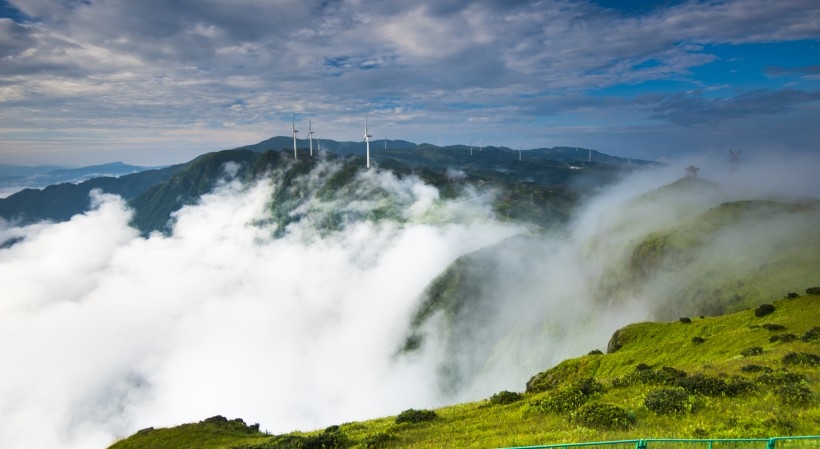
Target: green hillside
733,255
753,373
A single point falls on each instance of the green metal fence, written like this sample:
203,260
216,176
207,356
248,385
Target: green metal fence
794,442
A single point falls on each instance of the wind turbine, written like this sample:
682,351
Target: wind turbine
310,136
519,154
471,148
367,141
590,155
293,124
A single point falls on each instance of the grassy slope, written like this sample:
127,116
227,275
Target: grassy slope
761,412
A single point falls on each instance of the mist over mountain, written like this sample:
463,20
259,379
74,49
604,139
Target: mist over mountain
555,178
300,294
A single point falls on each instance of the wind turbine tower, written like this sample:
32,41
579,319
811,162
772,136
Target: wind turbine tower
293,125
310,136
367,141
589,159
519,154
471,148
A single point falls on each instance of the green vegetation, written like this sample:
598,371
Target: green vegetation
654,385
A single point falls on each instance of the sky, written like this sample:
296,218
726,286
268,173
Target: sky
156,82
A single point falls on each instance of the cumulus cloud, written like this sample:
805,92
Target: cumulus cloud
87,68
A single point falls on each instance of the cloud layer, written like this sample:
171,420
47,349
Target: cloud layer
104,332
96,80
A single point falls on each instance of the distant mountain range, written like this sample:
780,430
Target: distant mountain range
541,185
14,178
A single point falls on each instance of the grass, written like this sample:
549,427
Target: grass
760,412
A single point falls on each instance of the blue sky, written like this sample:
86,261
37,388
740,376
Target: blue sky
156,82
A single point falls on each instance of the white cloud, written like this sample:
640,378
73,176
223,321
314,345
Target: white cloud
104,332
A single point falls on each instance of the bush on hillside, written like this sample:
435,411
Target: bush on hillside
379,440
792,295
763,310
698,340
754,368
645,375
753,351
773,327
785,338
813,291
603,416
685,320
589,386
713,386
669,400
811,335
794,394
596,352
561,401
801,358
415,416
505,397
236,425
781,377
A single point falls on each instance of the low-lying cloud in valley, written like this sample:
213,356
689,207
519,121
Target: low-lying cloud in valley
104,331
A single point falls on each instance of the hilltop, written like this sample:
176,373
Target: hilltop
755,372
552,180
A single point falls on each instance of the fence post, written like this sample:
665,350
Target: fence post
770,444
641,444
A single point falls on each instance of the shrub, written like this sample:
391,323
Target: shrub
753,351
379,440
763,310
754,368
773,327
781,377
737,386
811,335
710,386
562,401
236,425
415,416
670,376
668,400
801,358
505,397
785,338
331,438
589,386
794,394
698,340
645,375
603,416
792,295
596,352
813,291
685,320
